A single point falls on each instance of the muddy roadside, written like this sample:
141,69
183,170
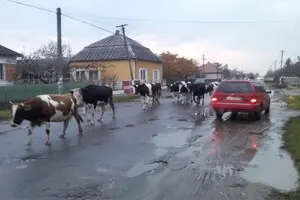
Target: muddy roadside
291,141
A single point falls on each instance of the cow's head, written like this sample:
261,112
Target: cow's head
136,89
77,94
19,112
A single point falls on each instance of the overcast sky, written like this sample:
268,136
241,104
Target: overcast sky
251,47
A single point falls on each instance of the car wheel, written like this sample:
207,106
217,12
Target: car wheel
234,115
267,110
219,114
257,115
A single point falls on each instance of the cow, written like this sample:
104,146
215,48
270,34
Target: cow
156,92
95,95
174,89
211,87
185,91
199,90
146,92
44,109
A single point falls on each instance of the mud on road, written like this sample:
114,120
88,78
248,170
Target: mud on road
171,152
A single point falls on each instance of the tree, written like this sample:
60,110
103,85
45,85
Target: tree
175,67
41,64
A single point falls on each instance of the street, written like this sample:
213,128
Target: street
171,152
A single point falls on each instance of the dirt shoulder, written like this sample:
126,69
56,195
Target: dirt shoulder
291,143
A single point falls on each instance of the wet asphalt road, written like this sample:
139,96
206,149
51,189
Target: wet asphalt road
171,152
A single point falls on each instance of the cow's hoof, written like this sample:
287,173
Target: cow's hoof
62,136
99,120
48,143
92,123
28,143
114,117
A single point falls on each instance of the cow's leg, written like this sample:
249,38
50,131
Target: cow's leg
144,102
112,105
78,120
102,112
173,97
202,100
93,114
178,96
47,129
66,124
29,134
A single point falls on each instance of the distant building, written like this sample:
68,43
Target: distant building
8,61
211,72
108,58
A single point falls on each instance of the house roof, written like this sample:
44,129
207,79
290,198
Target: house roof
8,52
112,48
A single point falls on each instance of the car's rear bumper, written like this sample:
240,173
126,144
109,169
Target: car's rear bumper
235,107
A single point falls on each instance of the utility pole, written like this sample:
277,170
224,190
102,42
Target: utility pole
59,46
203,61
281,60
122,26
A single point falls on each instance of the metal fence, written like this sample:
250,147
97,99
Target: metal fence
24,92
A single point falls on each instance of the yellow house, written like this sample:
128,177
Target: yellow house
108,59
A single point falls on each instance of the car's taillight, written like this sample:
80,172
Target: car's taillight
253,100
214,99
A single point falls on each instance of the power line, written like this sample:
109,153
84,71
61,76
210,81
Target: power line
88,23
192,21
65,15
32,6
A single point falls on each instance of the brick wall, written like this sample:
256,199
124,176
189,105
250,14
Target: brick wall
10,72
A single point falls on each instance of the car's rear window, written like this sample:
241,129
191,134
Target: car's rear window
235,87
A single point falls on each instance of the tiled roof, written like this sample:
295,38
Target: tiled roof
113,48
8,52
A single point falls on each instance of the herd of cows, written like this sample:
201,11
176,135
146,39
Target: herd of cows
47,108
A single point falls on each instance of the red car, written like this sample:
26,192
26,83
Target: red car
240,96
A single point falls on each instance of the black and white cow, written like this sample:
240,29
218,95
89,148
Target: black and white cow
199,89
145,90
150,93
174,89
156,92
211,87
95,95
185,91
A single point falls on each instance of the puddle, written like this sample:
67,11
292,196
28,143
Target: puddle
274,167
176,139
141,168
22,167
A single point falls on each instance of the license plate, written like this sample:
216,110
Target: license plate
234,98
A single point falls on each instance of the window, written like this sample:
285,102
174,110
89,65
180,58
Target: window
80,74
93,75
1,71
234,87
143,74
156,77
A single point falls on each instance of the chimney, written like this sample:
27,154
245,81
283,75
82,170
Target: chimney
117,32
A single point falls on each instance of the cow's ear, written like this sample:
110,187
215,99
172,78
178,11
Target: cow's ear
27,107
11,103
71,92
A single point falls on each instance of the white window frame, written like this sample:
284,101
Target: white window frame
158,75
3,72
146,74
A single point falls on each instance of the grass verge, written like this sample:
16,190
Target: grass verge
291,143
293,101
5,114
124,98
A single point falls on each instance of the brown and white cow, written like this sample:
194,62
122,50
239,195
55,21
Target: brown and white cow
44,109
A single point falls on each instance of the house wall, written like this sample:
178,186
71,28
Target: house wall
121,68
9,69
118,68
149,66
